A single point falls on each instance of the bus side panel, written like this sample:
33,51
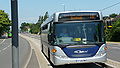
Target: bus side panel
45,43
52,55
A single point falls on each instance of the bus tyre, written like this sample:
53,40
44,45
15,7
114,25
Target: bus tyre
48,53
42,48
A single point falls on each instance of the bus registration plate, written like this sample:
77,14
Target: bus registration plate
80,60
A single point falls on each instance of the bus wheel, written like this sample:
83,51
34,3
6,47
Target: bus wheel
42,47
48,53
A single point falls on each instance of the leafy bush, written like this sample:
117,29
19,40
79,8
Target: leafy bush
4,22
114,33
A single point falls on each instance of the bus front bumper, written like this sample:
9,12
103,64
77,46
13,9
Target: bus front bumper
66,60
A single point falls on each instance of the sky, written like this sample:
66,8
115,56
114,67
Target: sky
30,10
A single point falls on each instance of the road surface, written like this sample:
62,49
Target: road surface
6,52
114,51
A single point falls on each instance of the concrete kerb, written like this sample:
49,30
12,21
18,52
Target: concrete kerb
112,63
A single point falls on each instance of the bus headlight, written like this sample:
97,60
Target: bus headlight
101,53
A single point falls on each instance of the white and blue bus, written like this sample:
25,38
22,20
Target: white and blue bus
72,37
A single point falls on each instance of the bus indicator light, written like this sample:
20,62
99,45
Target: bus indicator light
53,50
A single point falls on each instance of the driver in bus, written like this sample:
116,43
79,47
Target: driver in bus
64,33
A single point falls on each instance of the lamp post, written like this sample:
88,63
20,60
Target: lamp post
15,45
63,6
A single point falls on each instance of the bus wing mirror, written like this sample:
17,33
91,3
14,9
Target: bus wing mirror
50,37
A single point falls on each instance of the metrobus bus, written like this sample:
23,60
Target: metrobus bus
73,37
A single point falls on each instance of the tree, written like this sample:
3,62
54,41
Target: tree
41,19
38,24
34,28
114,33
25,27
5,23
45,16
112,15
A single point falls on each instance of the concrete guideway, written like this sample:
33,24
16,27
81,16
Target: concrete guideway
35,45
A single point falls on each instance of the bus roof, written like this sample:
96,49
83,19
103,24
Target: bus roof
76,11
57,13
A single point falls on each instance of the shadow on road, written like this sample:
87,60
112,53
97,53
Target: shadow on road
86,65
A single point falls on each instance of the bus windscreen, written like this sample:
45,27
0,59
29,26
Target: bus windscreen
79,33
78,16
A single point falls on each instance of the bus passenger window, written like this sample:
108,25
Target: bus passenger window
44,27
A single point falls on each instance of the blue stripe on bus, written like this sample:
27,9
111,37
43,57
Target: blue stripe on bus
81,52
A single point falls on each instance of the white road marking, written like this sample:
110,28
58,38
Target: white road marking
32,47
116,48
5,48
112,63
2,41
28,59
38,61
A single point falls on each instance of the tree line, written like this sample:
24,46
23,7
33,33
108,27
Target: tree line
112,34
33,28
5,22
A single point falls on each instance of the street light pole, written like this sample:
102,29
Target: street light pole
63,6
15,45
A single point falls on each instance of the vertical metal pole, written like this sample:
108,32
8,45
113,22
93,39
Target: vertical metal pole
15,45
64,7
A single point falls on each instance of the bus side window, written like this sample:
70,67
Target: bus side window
50,34
44,27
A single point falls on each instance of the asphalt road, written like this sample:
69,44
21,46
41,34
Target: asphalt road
113,51
6,53
33,63
43,61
